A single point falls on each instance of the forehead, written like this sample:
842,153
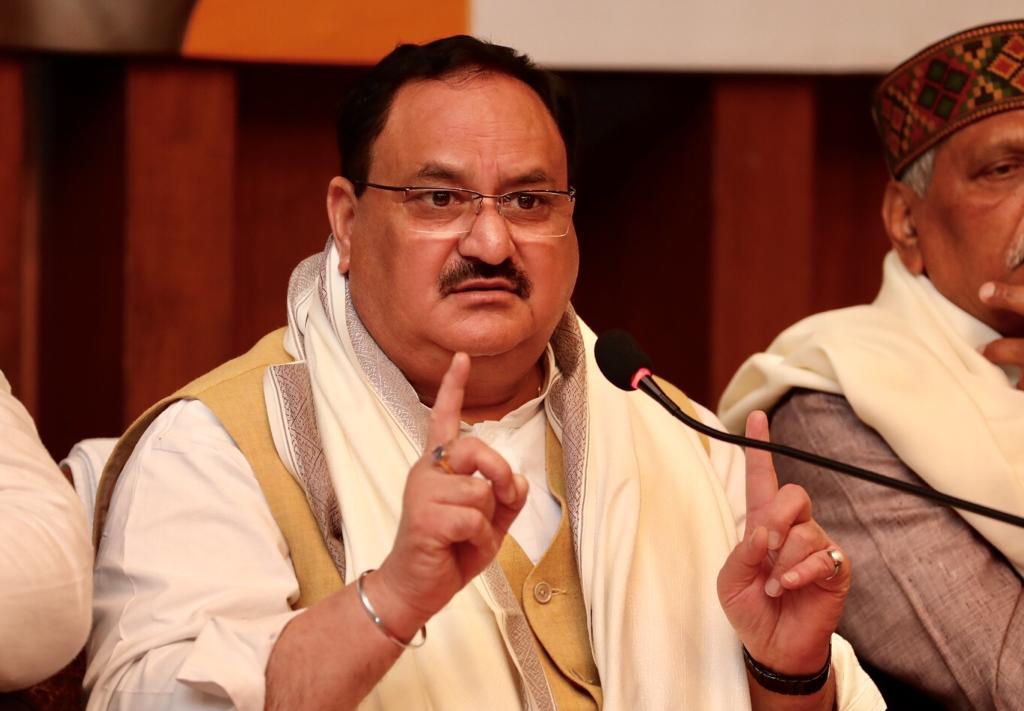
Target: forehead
481,125
1005,129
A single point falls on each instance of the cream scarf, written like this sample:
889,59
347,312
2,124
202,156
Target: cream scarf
651,528
946,411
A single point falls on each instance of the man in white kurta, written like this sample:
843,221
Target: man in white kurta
45,556
418,460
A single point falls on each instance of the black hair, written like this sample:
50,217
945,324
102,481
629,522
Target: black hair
365,108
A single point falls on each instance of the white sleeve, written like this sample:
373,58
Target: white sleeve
193,578
85,462
45,556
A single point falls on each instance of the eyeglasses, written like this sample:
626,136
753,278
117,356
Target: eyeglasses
529,213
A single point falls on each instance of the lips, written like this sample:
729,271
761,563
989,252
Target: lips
484,285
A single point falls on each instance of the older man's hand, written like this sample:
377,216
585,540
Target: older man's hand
1005,351
452,524
777,586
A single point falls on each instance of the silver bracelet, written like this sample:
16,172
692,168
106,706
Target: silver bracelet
375,618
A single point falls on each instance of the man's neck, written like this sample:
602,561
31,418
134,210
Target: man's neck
490,403
490,395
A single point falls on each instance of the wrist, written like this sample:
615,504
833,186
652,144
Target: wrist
401,619
803,662
788,683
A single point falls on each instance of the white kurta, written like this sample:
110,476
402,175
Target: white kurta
219,573
45,556
222,607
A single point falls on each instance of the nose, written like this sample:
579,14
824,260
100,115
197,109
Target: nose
489,238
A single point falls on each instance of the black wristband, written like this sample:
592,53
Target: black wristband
785,684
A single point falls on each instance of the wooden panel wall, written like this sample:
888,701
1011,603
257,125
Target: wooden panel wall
175,198
281,183
17,264
762,182
848,241
79,122
642,216
179,226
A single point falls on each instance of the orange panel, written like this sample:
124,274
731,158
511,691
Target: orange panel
317,31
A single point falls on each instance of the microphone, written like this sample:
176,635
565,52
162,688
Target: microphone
626,366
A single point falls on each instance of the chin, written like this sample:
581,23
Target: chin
487,340
482,346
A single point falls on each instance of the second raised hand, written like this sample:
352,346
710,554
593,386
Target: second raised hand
780,587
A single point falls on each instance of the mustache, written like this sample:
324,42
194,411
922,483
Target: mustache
467,269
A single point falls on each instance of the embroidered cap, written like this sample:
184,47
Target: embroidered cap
954,82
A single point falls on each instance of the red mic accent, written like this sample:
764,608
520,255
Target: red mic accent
638,376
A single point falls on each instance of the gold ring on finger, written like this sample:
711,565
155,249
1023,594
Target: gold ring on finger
837,562
439,458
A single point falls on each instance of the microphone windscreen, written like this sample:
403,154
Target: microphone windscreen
619,357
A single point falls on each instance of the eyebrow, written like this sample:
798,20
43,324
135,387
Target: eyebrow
532,178
437,171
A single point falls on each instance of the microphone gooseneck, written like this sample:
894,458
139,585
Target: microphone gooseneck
626,366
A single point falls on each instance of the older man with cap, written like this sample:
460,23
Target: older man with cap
924,383
302,527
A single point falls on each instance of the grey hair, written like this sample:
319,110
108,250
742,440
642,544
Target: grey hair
918,176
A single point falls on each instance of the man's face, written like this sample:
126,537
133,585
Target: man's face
486,292
970,223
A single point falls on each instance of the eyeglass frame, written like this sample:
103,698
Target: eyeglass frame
478,197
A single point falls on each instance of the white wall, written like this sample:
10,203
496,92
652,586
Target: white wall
739,35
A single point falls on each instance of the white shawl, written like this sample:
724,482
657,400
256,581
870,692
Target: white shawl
947,412
653,527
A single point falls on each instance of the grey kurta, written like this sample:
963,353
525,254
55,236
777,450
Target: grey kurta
932,604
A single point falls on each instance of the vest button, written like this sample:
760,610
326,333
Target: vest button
542,593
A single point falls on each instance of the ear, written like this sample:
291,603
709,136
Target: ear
898,206
341,212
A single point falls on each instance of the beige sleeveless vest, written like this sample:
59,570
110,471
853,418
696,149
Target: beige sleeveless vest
234,392
549,592
552,600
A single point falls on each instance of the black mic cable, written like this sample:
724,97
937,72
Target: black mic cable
627,367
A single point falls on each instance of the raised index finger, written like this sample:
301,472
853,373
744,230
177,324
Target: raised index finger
762,483
446,414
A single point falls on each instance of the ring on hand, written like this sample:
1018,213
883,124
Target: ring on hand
439,458
837,562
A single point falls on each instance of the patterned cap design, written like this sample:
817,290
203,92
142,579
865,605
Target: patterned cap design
954,82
